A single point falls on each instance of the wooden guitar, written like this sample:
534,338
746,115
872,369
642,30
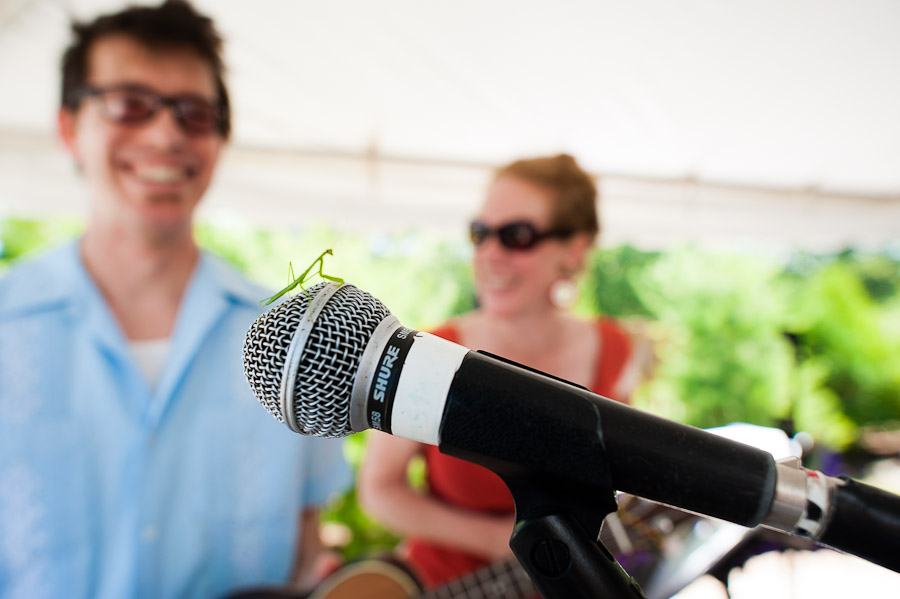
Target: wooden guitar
377,579
389,579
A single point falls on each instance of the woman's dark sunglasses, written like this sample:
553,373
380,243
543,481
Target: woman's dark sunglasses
516,235
135,104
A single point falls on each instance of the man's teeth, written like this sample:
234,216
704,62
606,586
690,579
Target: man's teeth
161,174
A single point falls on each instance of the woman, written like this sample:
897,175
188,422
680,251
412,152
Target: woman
532,236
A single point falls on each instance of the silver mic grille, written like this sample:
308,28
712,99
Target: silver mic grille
328,361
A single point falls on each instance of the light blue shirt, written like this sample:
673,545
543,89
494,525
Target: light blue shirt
109,489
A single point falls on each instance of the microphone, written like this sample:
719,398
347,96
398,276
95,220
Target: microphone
333,360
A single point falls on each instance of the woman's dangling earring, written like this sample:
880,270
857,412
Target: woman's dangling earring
563,293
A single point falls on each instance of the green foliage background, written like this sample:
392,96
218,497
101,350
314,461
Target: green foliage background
807,341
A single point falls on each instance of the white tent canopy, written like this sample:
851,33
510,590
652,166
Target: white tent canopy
768,123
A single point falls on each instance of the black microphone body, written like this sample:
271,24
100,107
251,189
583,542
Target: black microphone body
503,416
335,361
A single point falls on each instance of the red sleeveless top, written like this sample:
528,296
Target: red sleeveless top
469,486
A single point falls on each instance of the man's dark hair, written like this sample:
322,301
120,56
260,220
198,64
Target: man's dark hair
174,24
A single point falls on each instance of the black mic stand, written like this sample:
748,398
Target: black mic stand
556,539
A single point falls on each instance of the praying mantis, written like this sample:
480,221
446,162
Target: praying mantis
305,276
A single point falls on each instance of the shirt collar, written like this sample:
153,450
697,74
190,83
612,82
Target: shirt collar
49,281
58,280
62,277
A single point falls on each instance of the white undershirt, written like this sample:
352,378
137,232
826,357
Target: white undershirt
151,357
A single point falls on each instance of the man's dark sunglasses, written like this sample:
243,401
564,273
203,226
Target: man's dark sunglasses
516,235
135,104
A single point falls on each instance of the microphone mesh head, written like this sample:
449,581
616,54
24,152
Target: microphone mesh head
328,363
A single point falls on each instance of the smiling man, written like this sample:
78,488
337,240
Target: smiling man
134,460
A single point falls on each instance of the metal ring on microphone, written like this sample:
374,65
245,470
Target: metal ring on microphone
295,352
368,363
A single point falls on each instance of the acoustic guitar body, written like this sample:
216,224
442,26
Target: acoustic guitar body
368,579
